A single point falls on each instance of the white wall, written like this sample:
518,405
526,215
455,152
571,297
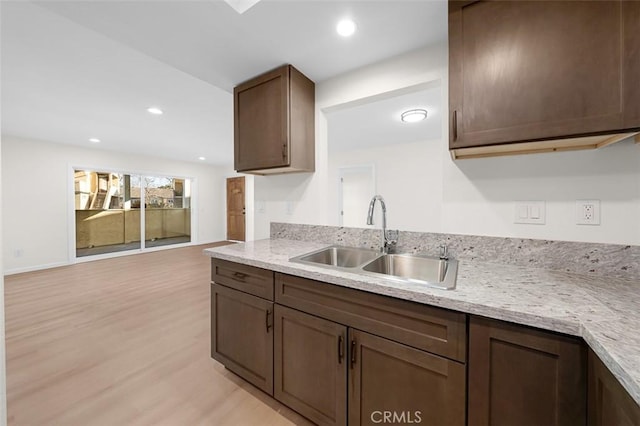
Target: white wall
3,364
402,177
427,191
36,190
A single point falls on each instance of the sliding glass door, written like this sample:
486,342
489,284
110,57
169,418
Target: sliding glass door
119,212
167,215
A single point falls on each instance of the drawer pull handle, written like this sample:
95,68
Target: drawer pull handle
353,352
340,349
455,125
239,276
266,320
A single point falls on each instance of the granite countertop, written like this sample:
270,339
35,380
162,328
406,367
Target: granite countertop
603,311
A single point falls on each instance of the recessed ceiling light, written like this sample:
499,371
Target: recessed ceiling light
346,27
201,158
413,115
155,110
94,140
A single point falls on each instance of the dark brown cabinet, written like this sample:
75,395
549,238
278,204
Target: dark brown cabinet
242,335
387,380
274,123
609,402
311,366
242,321
523,376
343,356
522,71
391,381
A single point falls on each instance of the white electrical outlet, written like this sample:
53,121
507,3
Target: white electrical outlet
588,212
530,212
289,207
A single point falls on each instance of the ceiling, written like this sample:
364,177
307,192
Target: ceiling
383,124
76,70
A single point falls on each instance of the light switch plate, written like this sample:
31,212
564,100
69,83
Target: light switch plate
530,212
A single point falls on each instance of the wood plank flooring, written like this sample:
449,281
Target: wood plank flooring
123,341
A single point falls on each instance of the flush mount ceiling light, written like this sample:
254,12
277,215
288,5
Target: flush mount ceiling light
94,140
346,27
241,6
201,158
155,111
413,115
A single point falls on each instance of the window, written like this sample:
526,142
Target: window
110,215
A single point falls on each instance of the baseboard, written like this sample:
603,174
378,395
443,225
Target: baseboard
15,271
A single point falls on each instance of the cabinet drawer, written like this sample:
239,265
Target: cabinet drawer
431,329
248,279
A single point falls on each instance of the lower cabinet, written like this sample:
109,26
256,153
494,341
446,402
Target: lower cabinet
317,362
609,402
310,366
242,335
341,356
394,383
521,376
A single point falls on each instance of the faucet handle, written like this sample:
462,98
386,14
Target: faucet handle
390,240
392,236
444,252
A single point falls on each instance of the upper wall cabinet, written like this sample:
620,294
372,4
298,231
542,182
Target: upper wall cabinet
532,76
274,127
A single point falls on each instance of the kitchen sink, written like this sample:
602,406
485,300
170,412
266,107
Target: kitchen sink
426,270
345,257
430,270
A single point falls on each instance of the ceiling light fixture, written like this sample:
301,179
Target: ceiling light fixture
413,115
346,27
155,110
201,158
94,140
241,6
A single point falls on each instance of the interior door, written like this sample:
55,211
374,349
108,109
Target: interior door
235,209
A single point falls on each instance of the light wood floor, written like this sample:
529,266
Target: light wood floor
123,341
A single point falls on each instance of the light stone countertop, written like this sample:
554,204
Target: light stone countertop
605,312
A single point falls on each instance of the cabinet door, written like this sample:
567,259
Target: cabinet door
261,121
521,376
631,26
609,403
310,366
393,383
529,70
242,335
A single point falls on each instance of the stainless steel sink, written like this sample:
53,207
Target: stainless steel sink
344,257
433,271
429,271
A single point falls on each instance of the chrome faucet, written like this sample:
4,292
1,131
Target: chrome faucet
389,238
